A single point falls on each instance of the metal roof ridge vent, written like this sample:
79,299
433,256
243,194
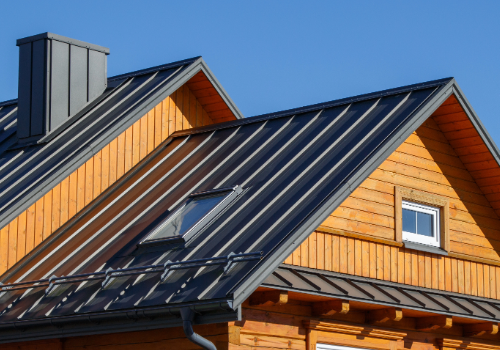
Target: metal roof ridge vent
58,77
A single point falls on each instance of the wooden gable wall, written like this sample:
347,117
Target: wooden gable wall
196,103
442,157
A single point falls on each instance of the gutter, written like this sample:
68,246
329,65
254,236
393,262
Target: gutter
118,321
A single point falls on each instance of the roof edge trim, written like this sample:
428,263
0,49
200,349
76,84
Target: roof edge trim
221,91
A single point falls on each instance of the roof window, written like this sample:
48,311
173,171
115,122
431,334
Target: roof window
196,212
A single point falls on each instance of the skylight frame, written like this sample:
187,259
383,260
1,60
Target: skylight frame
204,221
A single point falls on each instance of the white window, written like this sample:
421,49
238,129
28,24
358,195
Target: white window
421,224
334,347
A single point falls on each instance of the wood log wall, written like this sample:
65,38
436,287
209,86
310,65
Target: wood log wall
358,238
179,111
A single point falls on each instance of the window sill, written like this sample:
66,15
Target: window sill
425,248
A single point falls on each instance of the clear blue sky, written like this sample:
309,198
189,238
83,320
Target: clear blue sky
275,55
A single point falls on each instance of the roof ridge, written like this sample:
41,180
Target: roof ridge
130,74
315,107
154,69
362,97
8,102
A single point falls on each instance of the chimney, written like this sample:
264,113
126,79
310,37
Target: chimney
58,77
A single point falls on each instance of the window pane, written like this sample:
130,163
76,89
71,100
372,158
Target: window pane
194,209
409,221
424,225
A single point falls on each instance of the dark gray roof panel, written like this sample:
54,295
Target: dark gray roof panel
373,291
288,166
29,170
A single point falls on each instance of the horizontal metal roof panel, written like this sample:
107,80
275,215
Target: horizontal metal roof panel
373,291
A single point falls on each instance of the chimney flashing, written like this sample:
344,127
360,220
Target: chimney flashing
63,39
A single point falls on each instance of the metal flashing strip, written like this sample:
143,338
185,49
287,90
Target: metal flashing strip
388,293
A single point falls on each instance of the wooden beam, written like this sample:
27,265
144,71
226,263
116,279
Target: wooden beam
384,315
433,322
478,329
331,307
234,335
269,298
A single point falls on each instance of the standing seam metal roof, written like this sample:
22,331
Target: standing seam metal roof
29,171
295,168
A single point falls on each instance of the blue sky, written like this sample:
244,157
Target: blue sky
275,55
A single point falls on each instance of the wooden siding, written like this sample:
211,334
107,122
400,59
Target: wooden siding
358,238
169,338
182,110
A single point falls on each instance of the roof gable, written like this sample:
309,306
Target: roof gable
472,144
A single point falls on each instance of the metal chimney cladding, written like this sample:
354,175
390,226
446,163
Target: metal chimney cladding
58,77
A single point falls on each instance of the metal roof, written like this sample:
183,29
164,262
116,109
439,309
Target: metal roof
28,171
295,169
372,291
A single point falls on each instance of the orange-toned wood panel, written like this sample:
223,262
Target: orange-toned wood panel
179,111
427,161
208,96
472,151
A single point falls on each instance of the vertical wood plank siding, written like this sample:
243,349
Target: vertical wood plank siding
359,235
179,111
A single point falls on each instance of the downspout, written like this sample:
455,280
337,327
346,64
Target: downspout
187,323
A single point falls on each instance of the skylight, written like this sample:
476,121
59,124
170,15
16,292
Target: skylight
192,215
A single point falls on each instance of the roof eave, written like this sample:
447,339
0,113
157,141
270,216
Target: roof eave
215,311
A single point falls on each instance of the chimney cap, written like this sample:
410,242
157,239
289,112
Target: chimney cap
63,39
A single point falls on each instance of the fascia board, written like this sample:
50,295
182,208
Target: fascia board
254,278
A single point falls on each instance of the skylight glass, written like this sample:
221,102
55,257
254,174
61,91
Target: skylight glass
193,214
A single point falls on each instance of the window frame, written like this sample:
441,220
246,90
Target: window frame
199,225
425,199
435,240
